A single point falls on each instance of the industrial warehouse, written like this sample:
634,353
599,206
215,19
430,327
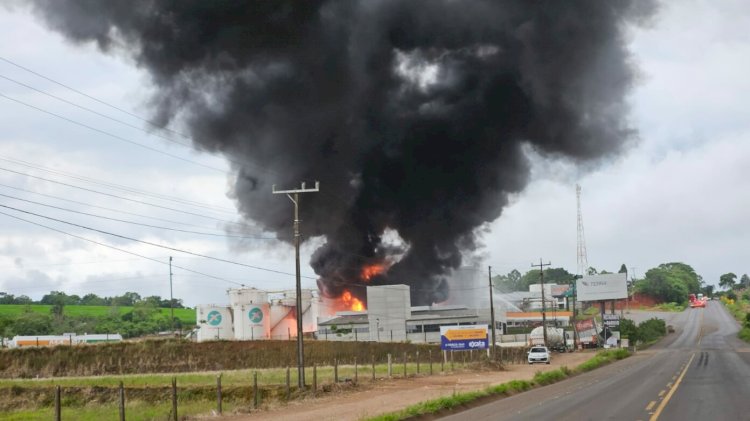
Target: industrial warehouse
254,314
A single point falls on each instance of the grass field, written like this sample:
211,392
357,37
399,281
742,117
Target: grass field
95,398
186,315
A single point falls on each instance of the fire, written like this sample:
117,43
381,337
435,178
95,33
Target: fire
373,270
351,302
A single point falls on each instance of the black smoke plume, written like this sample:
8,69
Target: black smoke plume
411,113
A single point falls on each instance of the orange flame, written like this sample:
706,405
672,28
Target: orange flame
351,302
369,271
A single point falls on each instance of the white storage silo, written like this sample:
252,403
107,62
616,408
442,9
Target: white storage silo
310,311
252,320
214,323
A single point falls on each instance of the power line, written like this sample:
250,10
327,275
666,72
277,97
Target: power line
103,207
124,123
118,249
149,122
124,237
112,135
136,223
121,197
115,186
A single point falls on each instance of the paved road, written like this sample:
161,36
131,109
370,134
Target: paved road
700,372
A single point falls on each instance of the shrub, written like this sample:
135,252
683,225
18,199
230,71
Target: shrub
651,330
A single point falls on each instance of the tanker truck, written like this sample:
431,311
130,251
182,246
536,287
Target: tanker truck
556,338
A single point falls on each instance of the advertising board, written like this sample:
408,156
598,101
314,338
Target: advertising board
612,286
459,338
611,320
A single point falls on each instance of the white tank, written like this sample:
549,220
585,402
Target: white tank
283,322
239,296
214,323
310,312
252,322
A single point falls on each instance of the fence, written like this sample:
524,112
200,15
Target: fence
240,390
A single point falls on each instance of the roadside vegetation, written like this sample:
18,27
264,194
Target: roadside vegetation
739,307
645,333
447,403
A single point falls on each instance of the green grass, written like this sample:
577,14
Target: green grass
274,376
504,389
186,315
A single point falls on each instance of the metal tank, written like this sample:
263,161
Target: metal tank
251,311
214,322
284,323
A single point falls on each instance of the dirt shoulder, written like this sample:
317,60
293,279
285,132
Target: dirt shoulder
392,395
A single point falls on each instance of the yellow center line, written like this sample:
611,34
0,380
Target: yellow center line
671,392
669,384
662,393
650,405
700,335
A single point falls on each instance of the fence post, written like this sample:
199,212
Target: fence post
373,367
356,372
174,398
256,395
58,411
429,355
390,367
288,388
404,364
451,360
122,402
417,362
218,393
315,379
335,370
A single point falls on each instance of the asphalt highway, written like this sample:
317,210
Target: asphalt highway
700,372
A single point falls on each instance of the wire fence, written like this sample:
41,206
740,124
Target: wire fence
171,397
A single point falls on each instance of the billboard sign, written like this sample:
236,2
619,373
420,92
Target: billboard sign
612,286
460,338
611,320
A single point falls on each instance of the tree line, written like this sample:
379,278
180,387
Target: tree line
59,298
668,282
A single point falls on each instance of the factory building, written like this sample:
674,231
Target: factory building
391,318
254,314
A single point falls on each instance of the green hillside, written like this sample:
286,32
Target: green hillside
186,315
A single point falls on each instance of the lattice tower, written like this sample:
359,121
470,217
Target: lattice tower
583,263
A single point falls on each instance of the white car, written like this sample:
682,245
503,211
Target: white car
539,354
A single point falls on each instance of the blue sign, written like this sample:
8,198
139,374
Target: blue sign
255,315
214,318
462,338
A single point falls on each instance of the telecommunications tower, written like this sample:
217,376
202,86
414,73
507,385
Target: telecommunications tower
583,263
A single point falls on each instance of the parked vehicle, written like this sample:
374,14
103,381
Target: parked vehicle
556,338
539,354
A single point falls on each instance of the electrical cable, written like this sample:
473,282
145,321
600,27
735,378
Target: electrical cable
137,223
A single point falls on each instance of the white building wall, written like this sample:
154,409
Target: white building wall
388,308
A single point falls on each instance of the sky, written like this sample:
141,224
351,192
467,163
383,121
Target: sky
678,194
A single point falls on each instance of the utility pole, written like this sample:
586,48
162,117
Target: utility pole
492,313
544,315
171,299
293,195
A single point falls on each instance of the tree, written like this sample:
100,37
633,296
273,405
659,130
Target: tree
92,300
727,280
553,276
591,271
670,282
508,283
623,269
745,281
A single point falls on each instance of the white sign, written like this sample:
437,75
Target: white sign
612,286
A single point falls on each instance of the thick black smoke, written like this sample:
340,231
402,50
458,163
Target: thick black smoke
412,114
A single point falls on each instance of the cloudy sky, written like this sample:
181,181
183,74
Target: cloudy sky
677,195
